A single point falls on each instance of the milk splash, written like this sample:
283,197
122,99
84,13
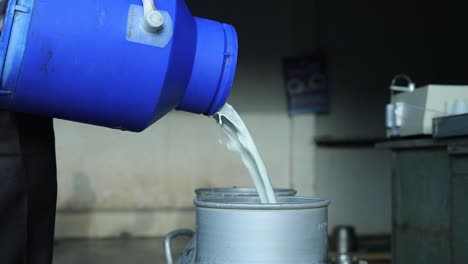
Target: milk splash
238,139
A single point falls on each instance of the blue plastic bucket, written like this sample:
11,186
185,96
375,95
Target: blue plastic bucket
92,61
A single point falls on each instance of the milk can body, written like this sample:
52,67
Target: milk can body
242,230
188,256
235,230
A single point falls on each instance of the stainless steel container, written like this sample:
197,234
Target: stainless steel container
239,230
345,240
346,259
239,192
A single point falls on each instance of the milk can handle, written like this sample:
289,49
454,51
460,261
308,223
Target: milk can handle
168,239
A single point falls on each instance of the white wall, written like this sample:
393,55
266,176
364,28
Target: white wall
112,182
109,171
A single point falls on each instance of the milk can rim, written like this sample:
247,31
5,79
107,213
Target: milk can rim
242,191
247,203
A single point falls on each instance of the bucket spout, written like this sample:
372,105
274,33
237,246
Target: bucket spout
213,68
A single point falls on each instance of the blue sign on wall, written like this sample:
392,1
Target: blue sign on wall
306,85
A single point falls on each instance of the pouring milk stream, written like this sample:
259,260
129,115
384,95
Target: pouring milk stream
239,139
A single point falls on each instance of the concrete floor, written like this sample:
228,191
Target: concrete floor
118,251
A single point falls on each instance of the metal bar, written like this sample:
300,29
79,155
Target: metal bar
450,126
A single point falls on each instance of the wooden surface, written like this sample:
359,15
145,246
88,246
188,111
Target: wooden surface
372,258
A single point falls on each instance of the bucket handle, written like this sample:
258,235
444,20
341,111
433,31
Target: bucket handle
171,236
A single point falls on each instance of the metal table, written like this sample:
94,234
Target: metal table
430,198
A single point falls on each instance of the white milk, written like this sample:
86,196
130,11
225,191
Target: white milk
238,139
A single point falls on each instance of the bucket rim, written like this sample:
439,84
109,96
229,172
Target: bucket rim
253,203
242,191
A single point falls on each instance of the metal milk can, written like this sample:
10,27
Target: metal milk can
189,252
239,230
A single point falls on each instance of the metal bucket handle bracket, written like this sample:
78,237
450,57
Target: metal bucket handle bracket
171,236
13,38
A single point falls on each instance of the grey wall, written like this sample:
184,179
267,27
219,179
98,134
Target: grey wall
366,43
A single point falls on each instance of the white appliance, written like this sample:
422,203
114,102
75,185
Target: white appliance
411,112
